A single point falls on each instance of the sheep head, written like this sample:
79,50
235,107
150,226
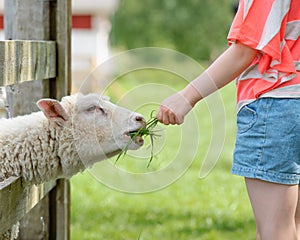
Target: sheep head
99,128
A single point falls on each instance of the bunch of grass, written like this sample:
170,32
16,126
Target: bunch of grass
147,131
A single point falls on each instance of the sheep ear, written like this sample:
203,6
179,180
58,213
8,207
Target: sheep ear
53,110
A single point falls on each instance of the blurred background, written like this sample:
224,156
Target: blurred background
197,28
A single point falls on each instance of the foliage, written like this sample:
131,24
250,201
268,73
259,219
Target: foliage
194,27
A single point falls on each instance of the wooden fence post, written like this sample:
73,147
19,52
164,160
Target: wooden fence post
26,20
42,20
60,196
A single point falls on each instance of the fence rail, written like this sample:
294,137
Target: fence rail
16,200
22,61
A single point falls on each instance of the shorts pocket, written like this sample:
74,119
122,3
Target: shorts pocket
246,118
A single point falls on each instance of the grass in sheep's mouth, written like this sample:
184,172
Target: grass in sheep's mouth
142,132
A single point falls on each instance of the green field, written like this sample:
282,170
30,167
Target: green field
190,208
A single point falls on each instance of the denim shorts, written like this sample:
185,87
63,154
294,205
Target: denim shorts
268,141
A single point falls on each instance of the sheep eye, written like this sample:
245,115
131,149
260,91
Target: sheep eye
91,109
96,108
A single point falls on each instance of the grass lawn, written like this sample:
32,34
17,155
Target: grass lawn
210,208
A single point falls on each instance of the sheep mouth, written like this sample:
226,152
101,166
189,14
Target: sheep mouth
135,136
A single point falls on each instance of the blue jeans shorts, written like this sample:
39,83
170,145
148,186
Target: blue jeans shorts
268,141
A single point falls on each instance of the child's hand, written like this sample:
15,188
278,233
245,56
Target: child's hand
173,109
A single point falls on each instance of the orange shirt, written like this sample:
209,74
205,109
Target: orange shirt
273,28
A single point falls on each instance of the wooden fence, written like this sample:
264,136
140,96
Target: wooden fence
35,63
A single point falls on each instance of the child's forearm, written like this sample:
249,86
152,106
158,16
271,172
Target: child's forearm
225,69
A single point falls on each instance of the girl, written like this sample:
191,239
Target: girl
264,54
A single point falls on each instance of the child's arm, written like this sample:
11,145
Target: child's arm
225,69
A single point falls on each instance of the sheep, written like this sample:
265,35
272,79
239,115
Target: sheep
65,137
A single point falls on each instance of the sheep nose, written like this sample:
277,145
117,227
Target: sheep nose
140,119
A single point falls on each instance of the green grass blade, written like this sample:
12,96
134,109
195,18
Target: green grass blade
143,132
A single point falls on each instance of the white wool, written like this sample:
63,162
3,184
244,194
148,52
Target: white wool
29,146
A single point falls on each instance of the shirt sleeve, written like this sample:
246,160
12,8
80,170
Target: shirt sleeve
261,25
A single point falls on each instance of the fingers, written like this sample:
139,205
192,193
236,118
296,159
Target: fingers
166,116
173,109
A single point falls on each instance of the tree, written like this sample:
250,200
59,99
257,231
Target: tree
194,27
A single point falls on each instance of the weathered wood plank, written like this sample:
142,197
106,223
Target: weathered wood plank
40,223
61,32
43,20
27,20
22,61
16,200
60,216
